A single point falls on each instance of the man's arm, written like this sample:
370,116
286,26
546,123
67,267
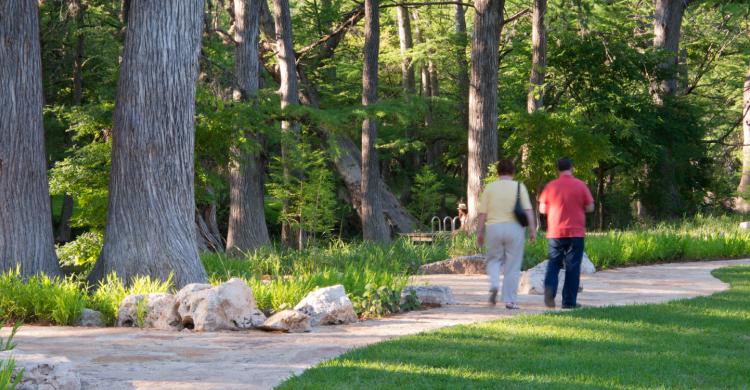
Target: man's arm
588,199
480,228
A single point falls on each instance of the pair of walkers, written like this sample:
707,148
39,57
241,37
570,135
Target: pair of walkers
504,211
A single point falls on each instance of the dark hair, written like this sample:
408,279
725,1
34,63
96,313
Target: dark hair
564,164
506,167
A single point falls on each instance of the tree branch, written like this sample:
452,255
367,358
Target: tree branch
517,15
350,19
429,3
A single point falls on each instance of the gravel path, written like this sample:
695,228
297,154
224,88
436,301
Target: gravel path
117,358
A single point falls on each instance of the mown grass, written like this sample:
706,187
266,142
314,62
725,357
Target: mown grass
697,343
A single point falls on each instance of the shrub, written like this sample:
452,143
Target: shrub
111,291
80,254
41,298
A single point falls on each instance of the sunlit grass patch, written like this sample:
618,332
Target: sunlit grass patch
696,343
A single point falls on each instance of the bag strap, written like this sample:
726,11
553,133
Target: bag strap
518,192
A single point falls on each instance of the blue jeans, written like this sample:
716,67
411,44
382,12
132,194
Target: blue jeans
568,251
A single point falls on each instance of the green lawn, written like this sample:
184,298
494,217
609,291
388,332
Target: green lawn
698,343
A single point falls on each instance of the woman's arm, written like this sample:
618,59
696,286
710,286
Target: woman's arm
480,228
532,225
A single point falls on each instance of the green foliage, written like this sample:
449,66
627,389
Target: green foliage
81,254
84,172
41,299
141,310
7,344
377,301
307,188
425,195
9,380
111,291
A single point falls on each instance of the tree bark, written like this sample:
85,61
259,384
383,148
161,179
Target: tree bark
424,71
289,97
667,23
26,238
463,66
742,203
405,44
535,99
483,99
150,222
374,227
247,220
434,81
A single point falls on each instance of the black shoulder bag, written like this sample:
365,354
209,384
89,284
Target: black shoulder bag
518,210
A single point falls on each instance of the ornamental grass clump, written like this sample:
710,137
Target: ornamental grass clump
41,299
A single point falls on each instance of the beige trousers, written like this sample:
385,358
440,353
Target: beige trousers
505,245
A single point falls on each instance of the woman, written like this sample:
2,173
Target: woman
463,216
498,228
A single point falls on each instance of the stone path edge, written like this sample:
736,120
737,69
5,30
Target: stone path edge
117,358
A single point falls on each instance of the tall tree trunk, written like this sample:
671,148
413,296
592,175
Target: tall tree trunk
150,222
743,204
247,219
25,214
483,98
535,99
463,66
434,81
408,85
667,23
374,227
289,90
405,44
207,225
424,71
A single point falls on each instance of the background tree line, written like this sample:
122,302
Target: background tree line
171,127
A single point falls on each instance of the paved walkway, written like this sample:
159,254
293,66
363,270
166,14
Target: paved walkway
117,358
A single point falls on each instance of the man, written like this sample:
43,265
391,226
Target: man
565,201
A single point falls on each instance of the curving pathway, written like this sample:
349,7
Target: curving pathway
117,358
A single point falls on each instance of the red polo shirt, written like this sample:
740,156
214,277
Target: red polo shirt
565,199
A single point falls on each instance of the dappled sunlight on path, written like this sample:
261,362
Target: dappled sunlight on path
117,358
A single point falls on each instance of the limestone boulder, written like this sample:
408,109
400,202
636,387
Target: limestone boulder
587,266
430,295
43,372
328,306
228,306
156,310
532,280
91,318
463,265
290,321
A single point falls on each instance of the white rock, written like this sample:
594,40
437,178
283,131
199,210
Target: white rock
587,267
430,295
43,372
229,306
744,225
328,306
158,312
290,321
91,318
532,280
